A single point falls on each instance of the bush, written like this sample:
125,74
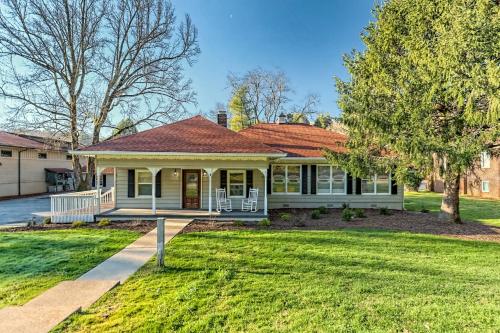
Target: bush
104,222
359,212
315,214
239,223
385,211
78,224
345,205
264,223
347,214
47,220
285,217
323,210
424,210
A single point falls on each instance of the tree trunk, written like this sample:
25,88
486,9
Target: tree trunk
450,203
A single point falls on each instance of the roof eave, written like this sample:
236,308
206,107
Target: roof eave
144,153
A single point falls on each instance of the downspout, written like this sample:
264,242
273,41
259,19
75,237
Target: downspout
19,171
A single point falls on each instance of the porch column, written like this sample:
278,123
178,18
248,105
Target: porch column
98,171
264,172
153,171
209,171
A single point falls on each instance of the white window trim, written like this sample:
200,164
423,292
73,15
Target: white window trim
331,181
137,184
482,186
389,180
229,172
485,160
286,180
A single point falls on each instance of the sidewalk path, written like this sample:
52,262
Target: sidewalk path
45,311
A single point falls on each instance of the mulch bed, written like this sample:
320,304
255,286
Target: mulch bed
142,227
414,222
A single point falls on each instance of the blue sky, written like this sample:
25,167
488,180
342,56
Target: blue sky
306,39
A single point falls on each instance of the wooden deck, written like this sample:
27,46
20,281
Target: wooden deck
147,214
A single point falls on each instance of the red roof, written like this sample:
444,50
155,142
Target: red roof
12,140
297,140
193,135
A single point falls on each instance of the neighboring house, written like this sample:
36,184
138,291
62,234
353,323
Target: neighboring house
106,181
484,180
25,164
180,166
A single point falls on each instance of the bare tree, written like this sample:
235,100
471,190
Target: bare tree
303,112
68,65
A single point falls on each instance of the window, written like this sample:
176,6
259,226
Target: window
69,157
144,181
6,153
485,160
42,156
485,186
330,180
286,179
377,184
237,184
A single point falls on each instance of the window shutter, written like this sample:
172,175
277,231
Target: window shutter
269,175
158,185
394,185
304,179
349,183
93,180
131,183
313,179
358,185
223,179
103,180
249,181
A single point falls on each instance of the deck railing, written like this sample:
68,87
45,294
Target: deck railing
79,206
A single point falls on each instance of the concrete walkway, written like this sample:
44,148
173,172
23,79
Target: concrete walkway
45,311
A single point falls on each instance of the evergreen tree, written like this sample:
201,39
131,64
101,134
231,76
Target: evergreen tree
239,110
427,84
125,127
323,120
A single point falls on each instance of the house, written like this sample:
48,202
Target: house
25,164
180,165
483,180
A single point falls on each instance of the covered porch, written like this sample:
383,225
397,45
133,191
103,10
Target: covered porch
147,214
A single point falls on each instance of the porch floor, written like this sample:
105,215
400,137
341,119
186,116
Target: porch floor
145,213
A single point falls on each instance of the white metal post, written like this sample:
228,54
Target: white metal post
210,192
265,192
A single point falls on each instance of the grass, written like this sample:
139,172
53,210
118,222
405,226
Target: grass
302,281
31,262
486,211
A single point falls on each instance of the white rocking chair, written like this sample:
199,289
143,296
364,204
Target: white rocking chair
250,203
222,201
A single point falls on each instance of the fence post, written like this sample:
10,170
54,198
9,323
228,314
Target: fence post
160,241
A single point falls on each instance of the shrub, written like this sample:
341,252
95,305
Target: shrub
285,217
347,214
359,212
345,205
78,224
264,223
104,222
424,210
239,223
47,220
385,211
323,210
315,214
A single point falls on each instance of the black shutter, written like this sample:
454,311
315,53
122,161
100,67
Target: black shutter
223,179
93,180
103,180
304,179
358,185
349,183
269,175
313,179
158,185
131,183
249,181
394,185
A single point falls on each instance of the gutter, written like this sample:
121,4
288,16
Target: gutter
178,154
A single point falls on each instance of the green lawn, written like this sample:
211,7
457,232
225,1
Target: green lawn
307,281
31,262
472,209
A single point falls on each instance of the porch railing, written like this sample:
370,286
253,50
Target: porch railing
79,206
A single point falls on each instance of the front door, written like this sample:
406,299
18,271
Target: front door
191,189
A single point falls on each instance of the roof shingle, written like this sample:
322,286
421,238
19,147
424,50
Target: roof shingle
12,140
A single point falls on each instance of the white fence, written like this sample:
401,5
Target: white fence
79,206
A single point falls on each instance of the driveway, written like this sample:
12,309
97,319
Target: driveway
20,210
